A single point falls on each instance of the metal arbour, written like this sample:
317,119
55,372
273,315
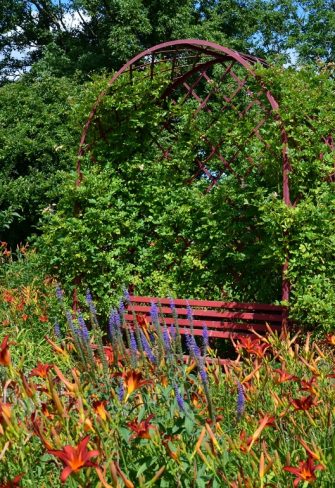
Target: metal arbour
206,75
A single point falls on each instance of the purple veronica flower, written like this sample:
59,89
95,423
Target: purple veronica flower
89,301
121,308
179,398
59,293
120,390
126,295
205,337
203,374
70,322
133,345
57,330
173,332
172,305
193,347
189,313
147,348
240,400
154,312
114,323
83,331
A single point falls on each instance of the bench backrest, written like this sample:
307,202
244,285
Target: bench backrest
223,319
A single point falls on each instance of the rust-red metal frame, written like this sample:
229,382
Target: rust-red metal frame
192,57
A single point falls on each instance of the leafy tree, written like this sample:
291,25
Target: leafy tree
89,35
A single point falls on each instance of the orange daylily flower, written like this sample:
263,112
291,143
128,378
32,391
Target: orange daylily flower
266,421
141,429
331,339
305,471
41,370
5,413
24,317
14,483
304,403
4,352
133,380
284,376
252,346
43,318
75,458
7,297
99,408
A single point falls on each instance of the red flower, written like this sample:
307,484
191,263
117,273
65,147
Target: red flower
4,352
41,370
24,317
43,318
305,471
252,346
7,297
304,403
75,458
132,381
141,429
284,376
14,483
331,339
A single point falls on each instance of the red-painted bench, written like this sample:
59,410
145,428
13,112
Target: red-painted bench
224,320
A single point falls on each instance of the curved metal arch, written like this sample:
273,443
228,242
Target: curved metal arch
218,54
169,52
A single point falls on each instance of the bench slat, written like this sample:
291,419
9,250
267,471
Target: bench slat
213,314
207,303
198,324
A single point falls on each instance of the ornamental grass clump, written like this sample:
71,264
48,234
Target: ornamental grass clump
125,408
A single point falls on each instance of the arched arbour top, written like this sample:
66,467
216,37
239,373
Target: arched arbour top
190,64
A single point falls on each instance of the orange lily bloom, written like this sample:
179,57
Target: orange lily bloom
5,413
75,458
4,352
99,408
252,346
331,339
284,376
133,380
41,370
305,471
141,429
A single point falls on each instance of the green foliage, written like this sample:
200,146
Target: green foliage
137,219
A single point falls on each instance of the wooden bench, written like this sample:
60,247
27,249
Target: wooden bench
224,320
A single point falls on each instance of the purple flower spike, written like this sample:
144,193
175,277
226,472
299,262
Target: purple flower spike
147,348
240,400
126,295
179,398
89,301
121,308
59,293
172,305
205,337
83,331
154,312
133,345
57,331
189,313
120,390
